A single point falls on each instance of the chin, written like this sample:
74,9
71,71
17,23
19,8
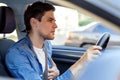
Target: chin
50,38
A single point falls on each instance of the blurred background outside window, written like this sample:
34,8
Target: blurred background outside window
79,30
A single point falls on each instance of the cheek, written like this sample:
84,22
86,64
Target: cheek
44,29
47,28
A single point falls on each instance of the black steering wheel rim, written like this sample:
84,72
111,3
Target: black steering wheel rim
103,40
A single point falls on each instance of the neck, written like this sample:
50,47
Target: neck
36,40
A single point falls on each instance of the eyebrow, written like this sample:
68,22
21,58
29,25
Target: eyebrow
51,18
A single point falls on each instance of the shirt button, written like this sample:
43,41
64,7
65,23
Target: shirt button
41,75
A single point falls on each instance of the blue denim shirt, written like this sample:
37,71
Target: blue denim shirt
22,62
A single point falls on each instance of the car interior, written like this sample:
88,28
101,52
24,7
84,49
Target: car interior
7,25
64,56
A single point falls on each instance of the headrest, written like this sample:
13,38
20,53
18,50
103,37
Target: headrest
7,20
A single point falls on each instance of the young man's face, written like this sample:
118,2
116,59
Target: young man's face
46,27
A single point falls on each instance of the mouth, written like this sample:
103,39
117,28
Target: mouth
53,32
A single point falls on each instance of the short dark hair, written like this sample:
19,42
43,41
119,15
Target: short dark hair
36,10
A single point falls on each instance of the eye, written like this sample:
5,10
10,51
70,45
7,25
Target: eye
51,20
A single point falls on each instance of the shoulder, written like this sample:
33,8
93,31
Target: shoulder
16,48
17,45
17,52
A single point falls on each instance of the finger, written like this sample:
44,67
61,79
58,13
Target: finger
96,52
93,48
96,47
50,70
92,54
50,77
92,57
50,74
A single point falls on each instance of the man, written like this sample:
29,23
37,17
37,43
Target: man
26,59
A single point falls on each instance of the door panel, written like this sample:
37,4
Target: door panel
65,56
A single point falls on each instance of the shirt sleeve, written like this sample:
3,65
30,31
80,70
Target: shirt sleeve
67,75
20,67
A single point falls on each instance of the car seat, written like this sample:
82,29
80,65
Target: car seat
7,25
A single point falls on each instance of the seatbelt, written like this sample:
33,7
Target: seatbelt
46,66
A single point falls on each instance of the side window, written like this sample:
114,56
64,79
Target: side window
65,23
79,30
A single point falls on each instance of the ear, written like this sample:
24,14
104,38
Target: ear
33,22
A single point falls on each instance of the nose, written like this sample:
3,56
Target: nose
55,25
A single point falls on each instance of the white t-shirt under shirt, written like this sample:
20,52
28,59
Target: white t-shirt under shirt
41,56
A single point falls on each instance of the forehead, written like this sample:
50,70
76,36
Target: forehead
49,14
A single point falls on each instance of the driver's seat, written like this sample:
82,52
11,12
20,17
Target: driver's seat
7,25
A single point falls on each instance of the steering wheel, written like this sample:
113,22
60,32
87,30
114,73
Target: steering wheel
103,40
